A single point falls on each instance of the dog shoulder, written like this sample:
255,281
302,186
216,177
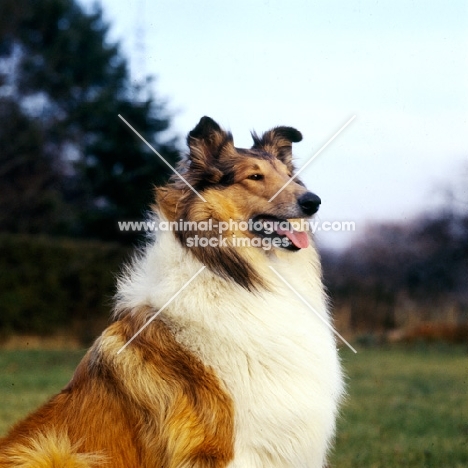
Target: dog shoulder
105,409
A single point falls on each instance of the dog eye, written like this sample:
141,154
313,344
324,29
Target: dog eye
255,177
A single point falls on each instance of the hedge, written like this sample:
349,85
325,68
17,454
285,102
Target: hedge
49,285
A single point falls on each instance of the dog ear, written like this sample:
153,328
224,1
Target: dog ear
208,142
278,142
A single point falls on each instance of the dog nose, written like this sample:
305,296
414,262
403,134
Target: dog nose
309,203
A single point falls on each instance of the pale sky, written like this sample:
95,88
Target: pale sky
400,66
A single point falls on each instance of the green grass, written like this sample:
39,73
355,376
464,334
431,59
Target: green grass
28,378
407,407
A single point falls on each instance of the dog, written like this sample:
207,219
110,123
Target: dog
217,355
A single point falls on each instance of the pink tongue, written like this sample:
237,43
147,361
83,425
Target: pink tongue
299,238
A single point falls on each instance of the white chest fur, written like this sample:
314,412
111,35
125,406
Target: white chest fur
276,358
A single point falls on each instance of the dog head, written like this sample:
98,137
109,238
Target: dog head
233,184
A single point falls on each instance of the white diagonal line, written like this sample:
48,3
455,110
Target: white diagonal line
161,309
312,158
311,308
163,160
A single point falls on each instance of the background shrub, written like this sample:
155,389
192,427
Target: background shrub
49,285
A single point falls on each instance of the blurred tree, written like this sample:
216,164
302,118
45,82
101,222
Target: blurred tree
30,199
66,84
424,260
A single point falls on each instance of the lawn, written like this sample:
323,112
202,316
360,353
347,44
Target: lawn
407,407
29,377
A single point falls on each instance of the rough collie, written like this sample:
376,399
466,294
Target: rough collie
237,369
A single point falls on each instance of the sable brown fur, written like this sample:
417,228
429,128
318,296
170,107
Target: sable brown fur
154,404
